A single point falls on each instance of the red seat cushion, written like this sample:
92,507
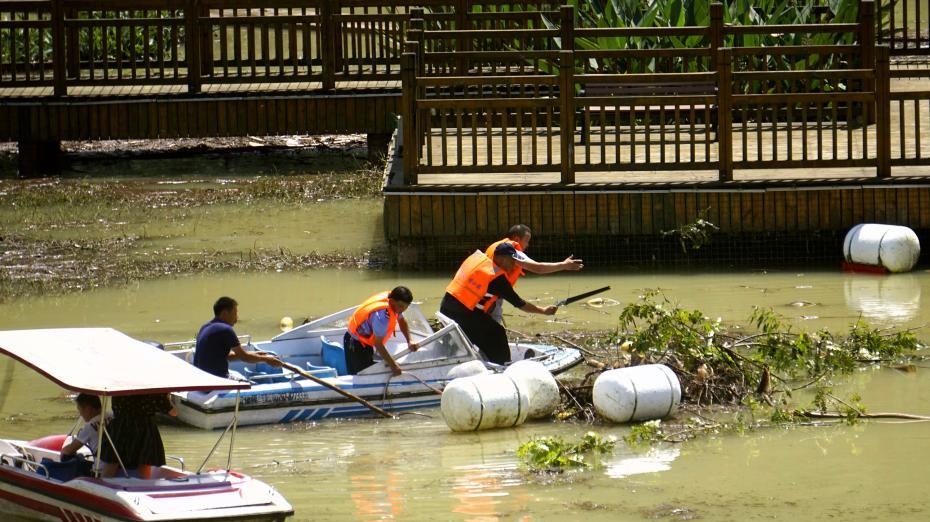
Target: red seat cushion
49,442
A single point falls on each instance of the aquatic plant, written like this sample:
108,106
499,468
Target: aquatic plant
554,454
720,366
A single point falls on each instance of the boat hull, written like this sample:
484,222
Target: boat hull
303,400
33,488
287,396
44,500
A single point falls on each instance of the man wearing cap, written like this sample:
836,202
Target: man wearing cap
519,236
473,294
370,327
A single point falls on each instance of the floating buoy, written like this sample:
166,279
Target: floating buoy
650,391
286,323
482,402
890,247
539,385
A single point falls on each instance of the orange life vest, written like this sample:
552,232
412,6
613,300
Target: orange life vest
373,304
470,284
517,271
512,275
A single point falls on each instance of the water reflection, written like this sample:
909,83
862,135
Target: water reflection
654,461
884,298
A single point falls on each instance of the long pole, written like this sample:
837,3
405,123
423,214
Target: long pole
331,386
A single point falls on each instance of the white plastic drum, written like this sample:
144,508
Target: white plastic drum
650,391
539,385
468,369
482,402
891,246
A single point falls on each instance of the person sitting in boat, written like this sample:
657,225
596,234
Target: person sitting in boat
88,407
473,293
519,236
370,327
137,441
217,342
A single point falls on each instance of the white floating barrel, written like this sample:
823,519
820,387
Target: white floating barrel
468,369
539,385
891,246
481,402
650,391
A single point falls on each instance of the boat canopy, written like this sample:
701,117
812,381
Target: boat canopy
104,361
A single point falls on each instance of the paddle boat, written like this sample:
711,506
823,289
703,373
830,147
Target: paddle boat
280,395
36,484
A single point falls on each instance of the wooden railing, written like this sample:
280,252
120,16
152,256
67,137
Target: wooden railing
73,43
521,109
904,25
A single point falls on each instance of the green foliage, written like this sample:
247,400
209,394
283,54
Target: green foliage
694,235
145,42
644,433
716,366
688,13
815,354
555,454
660,328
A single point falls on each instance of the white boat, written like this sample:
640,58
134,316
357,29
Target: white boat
280,396
105,362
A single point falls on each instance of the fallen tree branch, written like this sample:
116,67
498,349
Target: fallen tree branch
880,415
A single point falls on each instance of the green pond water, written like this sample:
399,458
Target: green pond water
414,468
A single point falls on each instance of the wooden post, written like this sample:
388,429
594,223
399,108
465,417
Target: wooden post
866,48
59,49
462,43
411,147
329,33
206,41
192,45
725,113
715,38
883,112
567,27
567,116
72,45
415,42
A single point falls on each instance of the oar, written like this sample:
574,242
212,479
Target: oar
331,386
579,297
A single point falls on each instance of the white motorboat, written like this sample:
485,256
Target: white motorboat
35,483
280,396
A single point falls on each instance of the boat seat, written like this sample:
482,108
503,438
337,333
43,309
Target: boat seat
265,377
65,470
334,356
320,371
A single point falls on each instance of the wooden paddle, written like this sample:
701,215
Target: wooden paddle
296,369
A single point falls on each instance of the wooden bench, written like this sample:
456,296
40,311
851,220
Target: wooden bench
648,89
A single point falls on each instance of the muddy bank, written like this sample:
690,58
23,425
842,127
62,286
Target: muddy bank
119,213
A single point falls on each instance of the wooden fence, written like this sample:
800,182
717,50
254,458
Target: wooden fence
904,25
523,105
72,43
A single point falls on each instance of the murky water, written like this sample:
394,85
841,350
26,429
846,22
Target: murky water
414,468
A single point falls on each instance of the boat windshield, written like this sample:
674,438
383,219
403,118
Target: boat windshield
328,325
448,343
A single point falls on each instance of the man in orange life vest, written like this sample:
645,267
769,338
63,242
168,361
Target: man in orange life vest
474,292
519,236
372,325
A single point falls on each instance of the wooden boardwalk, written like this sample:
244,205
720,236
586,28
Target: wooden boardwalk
618,215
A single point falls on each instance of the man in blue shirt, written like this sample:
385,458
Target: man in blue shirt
217,342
